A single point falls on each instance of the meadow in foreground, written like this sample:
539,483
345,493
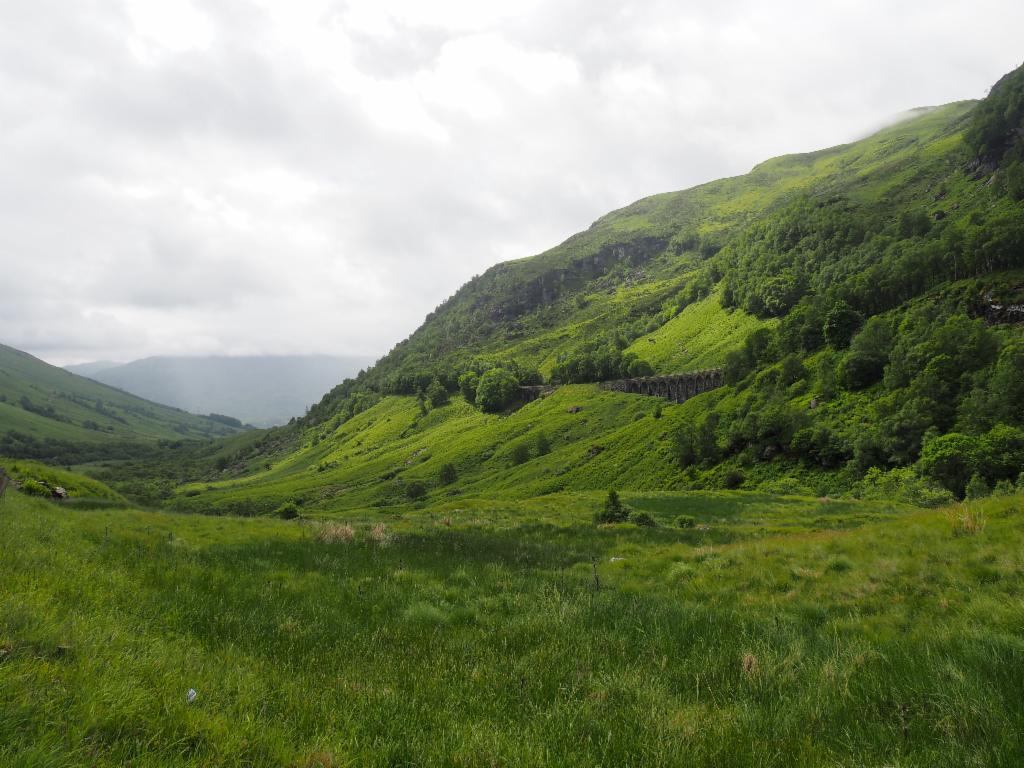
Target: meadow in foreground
774,631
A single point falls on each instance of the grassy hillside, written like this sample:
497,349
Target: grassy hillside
774,632
44,410
825,284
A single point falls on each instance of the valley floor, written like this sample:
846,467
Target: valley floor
775,631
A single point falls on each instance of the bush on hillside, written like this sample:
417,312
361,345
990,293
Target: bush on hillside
497,390
520,454
614,510
447,475
468,383
287,511
901,484
643,519
437,394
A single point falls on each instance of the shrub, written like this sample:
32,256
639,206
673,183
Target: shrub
34,488
841,323
734,479
415,490
520,454
685,521
657,411
839,564
497,390
643,519
901,484
1004,488
614,510
437,394
977,487
950,460
447,475
287,511
543,444
468,383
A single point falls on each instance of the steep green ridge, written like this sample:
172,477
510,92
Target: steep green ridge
46,412
860,299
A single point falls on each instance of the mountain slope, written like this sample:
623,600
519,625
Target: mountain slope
42,407
263,391
861,300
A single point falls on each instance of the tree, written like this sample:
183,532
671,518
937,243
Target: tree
447,475
614,510
437,394
841,322
1001,452
543,444
415,490
520,454
950,460
468,383
869,352
497,390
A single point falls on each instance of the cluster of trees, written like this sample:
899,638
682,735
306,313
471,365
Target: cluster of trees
816,257
938,383
602,359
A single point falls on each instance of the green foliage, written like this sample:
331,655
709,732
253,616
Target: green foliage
903,485
447,475
34,488
841,322
543,444
437,394
951,460
685,521
287,511
520,454
468,383
416,490
977,487
995,127
497,390
614,511
643,519
599,360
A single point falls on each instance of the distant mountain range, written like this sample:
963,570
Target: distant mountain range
262,391
49,413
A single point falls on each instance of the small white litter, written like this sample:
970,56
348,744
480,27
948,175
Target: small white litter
616,559
191,695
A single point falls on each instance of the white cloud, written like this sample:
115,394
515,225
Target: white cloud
255,176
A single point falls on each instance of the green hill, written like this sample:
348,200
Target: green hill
864,302
46,412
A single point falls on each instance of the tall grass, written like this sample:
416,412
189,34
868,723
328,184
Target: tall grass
795,640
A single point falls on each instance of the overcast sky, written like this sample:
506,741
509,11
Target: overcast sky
243,177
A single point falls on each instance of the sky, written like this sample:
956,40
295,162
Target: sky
309,176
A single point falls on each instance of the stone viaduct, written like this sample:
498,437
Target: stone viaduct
677,387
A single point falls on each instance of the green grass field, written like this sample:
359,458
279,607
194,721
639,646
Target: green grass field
777,631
